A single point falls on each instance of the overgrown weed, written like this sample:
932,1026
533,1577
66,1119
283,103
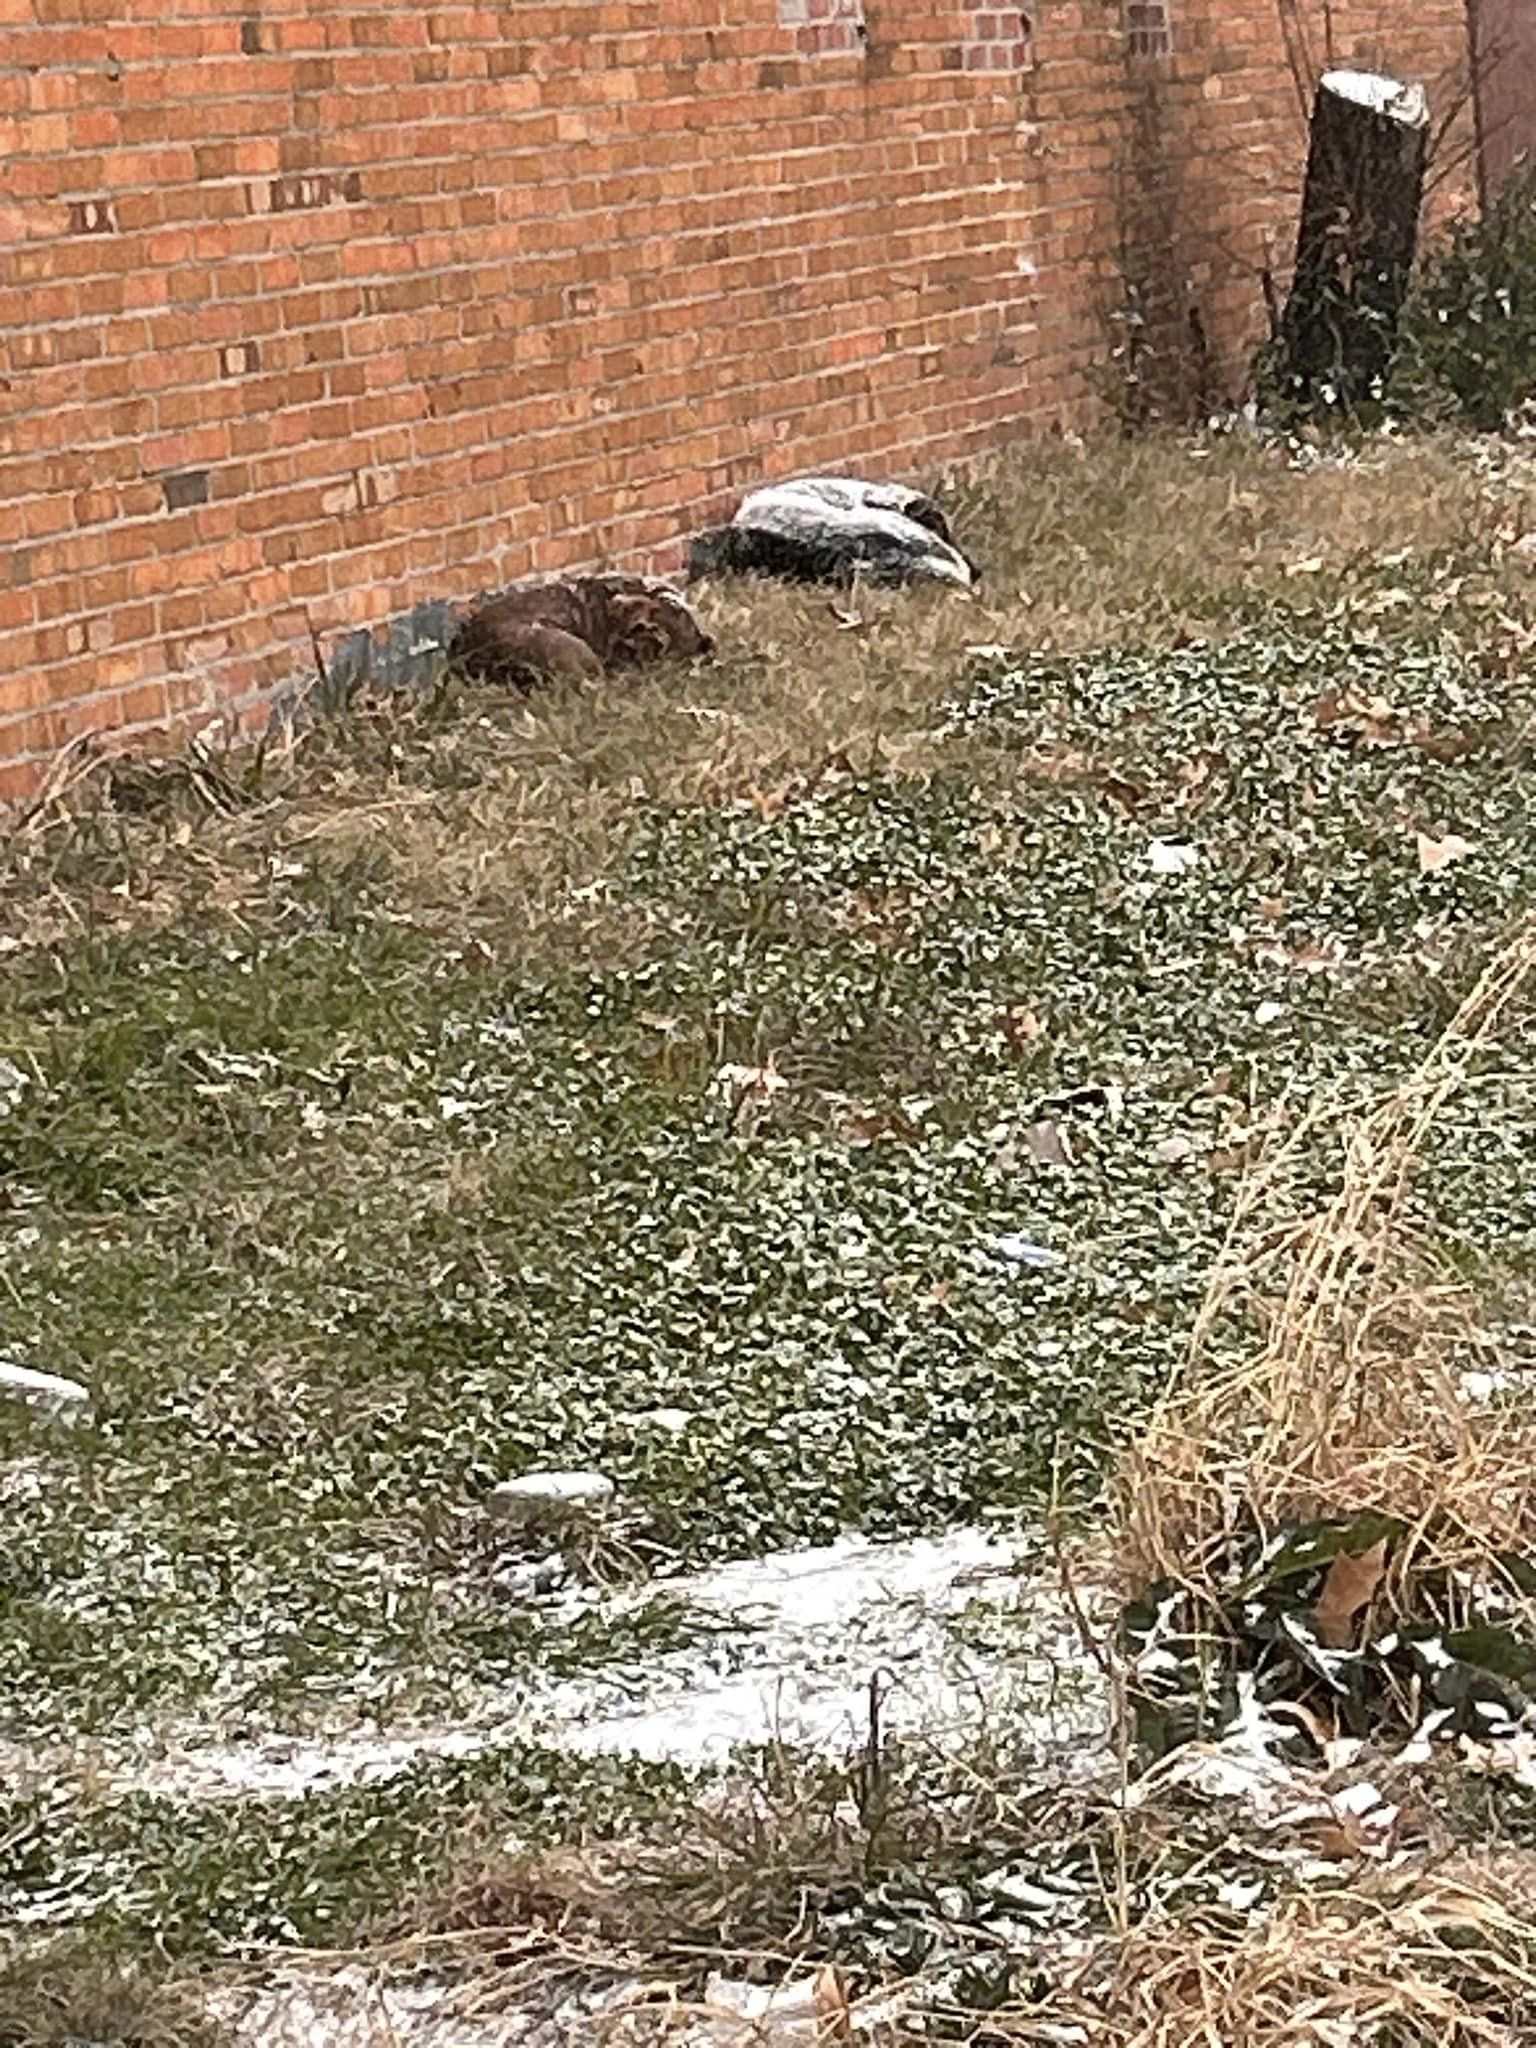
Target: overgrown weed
1365,1394
363,1137
67,1995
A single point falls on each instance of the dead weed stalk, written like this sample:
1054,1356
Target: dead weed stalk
1441,1959
1356,1399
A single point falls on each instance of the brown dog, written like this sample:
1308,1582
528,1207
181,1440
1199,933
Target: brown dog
576,626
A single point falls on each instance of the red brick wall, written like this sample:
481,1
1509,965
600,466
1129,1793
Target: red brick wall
316,310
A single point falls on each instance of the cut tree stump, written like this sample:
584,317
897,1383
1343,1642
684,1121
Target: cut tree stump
1355,246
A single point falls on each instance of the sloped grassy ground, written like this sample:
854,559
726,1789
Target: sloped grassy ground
367,1141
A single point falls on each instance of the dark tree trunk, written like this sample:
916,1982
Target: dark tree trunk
1355,247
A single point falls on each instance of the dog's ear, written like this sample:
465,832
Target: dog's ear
710,553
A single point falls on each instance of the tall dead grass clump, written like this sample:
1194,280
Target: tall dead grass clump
1359,1394
1432,1959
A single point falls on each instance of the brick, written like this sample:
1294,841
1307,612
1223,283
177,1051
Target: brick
185,487
343,306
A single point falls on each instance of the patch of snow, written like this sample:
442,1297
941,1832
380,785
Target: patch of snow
536,1500
1389,96
25,1479
673,1421
354,2006
1172,856
797,1638
822,1622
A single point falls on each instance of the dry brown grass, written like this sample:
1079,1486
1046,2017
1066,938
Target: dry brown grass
1433,1959
1354,1399
486,813
486,818
67,1998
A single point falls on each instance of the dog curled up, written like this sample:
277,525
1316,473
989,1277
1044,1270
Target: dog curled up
575,627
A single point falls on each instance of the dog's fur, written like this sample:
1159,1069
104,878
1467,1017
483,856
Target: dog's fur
576,626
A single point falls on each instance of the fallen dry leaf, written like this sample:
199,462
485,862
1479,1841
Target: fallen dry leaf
858,1125
769,804
1199,768
1359,1823
1451,744
1060,764
1319,956
834,2020
1374,721
1349,1588
1435,854
1121,790
1021,1027
1312,956
1339,1841
1305,1717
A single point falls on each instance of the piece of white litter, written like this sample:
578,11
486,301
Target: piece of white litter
1012,1888
1481,1386
1268,1012
43,1390
1172,856
1435,854
1016,1250
738,2014
1359,1799
673,1420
